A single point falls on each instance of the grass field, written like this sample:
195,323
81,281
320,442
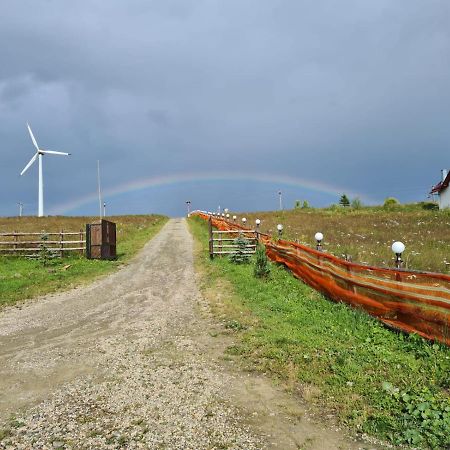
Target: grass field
339,360
22,278
368,233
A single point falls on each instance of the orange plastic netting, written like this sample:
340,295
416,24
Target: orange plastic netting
415,302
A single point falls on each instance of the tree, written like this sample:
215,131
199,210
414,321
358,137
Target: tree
305,204
241,255
297,204
262,267
344,201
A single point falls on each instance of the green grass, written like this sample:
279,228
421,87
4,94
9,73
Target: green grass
22,278
376,381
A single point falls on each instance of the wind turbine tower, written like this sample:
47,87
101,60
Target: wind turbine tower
38,155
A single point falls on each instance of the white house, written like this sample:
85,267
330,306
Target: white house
442,189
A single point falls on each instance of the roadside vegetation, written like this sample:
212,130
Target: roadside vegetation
22,278
337,359
366,233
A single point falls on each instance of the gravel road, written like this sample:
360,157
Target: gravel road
136,361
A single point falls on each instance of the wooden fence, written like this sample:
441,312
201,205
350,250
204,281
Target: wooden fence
411,301
224,242
30,244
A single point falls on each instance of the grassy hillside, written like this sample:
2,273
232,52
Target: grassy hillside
368,233
22,278
339,360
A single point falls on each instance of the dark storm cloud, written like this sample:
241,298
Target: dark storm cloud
353,94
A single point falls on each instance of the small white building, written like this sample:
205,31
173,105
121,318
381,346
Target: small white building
442,190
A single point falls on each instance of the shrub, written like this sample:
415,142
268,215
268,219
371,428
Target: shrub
357,203
297,204
44,252
262,267
429,205
390,202
305,204
240,256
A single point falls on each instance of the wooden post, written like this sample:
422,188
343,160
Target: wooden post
211,242
81,243
15,239
61,244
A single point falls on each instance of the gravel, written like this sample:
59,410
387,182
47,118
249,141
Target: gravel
136,361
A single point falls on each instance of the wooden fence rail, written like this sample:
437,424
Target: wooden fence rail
56,243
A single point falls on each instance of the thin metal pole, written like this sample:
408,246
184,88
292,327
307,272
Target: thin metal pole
104,209
281,201
99,189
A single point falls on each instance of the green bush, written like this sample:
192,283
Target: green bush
240,256
262,266
391,202
357,203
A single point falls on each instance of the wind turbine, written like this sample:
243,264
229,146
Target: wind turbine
39,153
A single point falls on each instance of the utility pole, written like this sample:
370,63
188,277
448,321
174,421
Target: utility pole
20,209
281,200
99,189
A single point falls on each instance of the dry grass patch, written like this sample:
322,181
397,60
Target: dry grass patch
367,234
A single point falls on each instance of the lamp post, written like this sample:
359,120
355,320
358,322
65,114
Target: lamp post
280,230
398,248
228,216
258,223
280,195
234,218
244,221
319,238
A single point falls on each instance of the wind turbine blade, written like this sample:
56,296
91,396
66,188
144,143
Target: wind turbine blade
50,152
32,160
32,137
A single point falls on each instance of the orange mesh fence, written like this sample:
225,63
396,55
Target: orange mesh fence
411,301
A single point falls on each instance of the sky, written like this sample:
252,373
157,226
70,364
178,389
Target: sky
222,102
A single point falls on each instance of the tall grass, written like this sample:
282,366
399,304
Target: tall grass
367,234
22,278
338,359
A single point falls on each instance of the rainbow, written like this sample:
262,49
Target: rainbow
173,179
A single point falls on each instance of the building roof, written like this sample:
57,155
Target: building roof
441,185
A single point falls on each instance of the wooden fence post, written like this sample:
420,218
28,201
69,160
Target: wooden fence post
81,243
61,244
211,242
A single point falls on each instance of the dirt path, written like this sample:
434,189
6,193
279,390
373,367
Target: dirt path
131,362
